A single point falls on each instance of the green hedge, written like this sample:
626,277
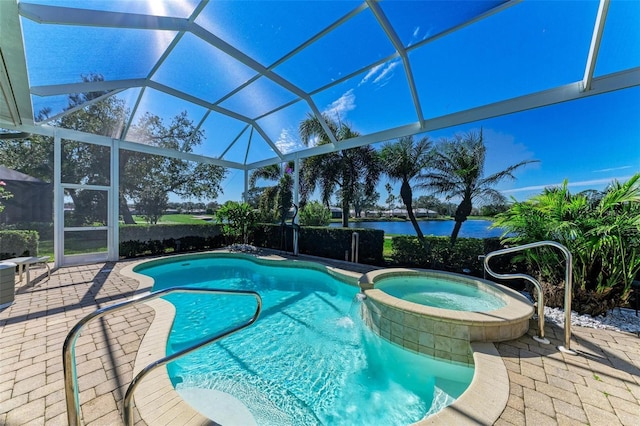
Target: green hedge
44,229
323,241
462,257
144,239
18,243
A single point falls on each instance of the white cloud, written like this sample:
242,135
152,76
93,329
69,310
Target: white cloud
381,73
594,182
386,73
612,169
339,108
287,142
416,32
370,74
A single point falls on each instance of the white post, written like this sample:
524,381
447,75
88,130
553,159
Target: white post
58,203
296,201
113,234
245,194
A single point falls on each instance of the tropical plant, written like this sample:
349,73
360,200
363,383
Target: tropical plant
274,201
341,170
237,220
457,171
404,160
4,194
315,214
601,230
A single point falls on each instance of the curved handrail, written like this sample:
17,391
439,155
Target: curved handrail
568,280
540,337
68,348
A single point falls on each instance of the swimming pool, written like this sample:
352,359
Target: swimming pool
308,359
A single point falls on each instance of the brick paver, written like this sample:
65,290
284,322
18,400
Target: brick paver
598,386
601,385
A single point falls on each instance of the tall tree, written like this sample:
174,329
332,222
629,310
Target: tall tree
340,170
457,171
404,160
275,199
181,177
89,164
391,199
362,201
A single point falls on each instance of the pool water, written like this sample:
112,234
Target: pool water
308,359
440,293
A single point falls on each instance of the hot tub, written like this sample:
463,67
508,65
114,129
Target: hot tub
439,313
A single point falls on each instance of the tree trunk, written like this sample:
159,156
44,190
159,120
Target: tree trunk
407,197
462,213
125,212
345,214
454,234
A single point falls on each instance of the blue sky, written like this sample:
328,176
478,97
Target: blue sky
530,47
589,142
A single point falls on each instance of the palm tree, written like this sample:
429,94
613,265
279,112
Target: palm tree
341,169
280,196
403,160
457,170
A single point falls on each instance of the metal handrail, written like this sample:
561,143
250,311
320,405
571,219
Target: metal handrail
68,349
568,283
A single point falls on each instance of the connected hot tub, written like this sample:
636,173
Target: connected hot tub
439,313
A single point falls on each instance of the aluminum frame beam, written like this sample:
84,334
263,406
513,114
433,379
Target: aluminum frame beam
569,92
14,81
51,131
594,48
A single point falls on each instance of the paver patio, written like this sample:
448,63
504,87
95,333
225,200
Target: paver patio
600,386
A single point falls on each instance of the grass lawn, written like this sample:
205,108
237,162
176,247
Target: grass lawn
386,248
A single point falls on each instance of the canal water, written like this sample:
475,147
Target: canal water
470,228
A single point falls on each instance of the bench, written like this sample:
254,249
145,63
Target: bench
23,264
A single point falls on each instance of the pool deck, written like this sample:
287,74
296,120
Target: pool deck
599,386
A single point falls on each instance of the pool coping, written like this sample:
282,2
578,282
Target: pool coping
159,403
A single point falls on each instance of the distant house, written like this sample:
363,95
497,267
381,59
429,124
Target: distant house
425,213
336,212
418,213
32,199
400,213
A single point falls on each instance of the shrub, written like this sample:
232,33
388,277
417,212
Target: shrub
323,241
602,232
463,257
18,243
44,229
237,220
138,240
315,214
